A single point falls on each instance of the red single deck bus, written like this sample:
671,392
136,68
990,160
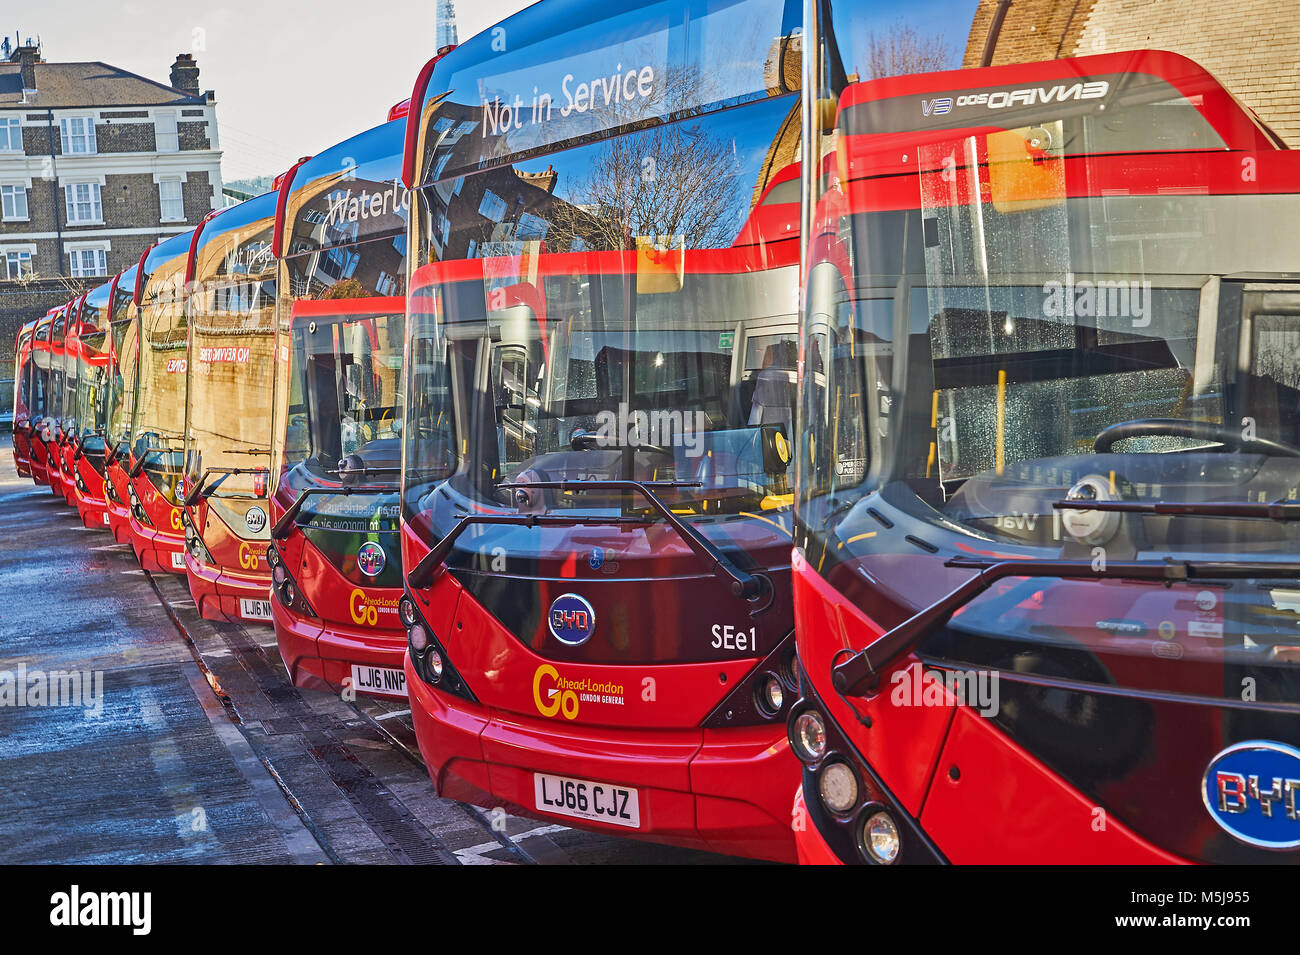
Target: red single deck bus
92,403
124,342
338,568
68,422
600,420
1045,582
23,367
155,463
231,374
39,407
52,432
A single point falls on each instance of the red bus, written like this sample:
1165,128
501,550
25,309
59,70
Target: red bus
39,402
93,384
53,431
596,495
23,399
1045,577
227,419
335,506
68,421
155,462
124,341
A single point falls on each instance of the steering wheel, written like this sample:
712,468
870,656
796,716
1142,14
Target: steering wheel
581,440
1196,430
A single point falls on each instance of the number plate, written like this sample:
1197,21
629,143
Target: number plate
254,609
178,560
381,681
582,799
105,517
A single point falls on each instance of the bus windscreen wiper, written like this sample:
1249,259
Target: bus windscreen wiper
861,672
1282,510
743,584
139,464
203,489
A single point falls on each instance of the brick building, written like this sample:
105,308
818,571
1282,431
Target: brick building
96,163
1250,46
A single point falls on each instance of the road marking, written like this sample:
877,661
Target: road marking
389,716
477,855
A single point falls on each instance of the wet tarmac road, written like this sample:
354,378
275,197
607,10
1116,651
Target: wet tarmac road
155,736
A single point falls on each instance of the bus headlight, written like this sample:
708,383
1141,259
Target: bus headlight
808,736
419,639
838,786
880,841
771,695
406,610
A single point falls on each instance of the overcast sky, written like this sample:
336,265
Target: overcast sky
291,78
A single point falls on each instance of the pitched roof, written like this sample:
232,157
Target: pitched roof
73,85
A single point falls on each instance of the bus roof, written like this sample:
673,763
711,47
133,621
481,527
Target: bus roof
1017,95
570,71
163,261
229,232
350,193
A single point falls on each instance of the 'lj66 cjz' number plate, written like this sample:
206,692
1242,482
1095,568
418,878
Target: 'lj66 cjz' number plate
582,799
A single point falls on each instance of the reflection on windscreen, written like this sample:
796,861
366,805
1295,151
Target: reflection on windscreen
582,377
345,403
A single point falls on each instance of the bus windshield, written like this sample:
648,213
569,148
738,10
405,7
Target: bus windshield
672,367
231,350
123,368
159,420
345,404
1069,332
93,370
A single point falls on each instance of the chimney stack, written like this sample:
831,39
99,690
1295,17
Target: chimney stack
185,74
27,56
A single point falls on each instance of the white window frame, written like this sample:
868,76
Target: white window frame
166,140
19,251
13,127
87,135
95,201
179,199
76,252
19,192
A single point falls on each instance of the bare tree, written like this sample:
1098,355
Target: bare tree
903,49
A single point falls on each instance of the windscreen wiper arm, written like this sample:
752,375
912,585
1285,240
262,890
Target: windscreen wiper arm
1282,510
203,489
139,465
861,672
743,584
286,521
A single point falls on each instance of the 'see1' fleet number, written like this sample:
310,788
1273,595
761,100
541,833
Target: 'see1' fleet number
727,637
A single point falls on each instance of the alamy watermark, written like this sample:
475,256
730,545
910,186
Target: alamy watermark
664,429
24,687
917,686
1084,298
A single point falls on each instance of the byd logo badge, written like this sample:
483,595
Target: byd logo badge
255,520
371,559
571,620
1250,790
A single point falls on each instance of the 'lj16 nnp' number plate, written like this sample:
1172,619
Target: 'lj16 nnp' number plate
254,609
